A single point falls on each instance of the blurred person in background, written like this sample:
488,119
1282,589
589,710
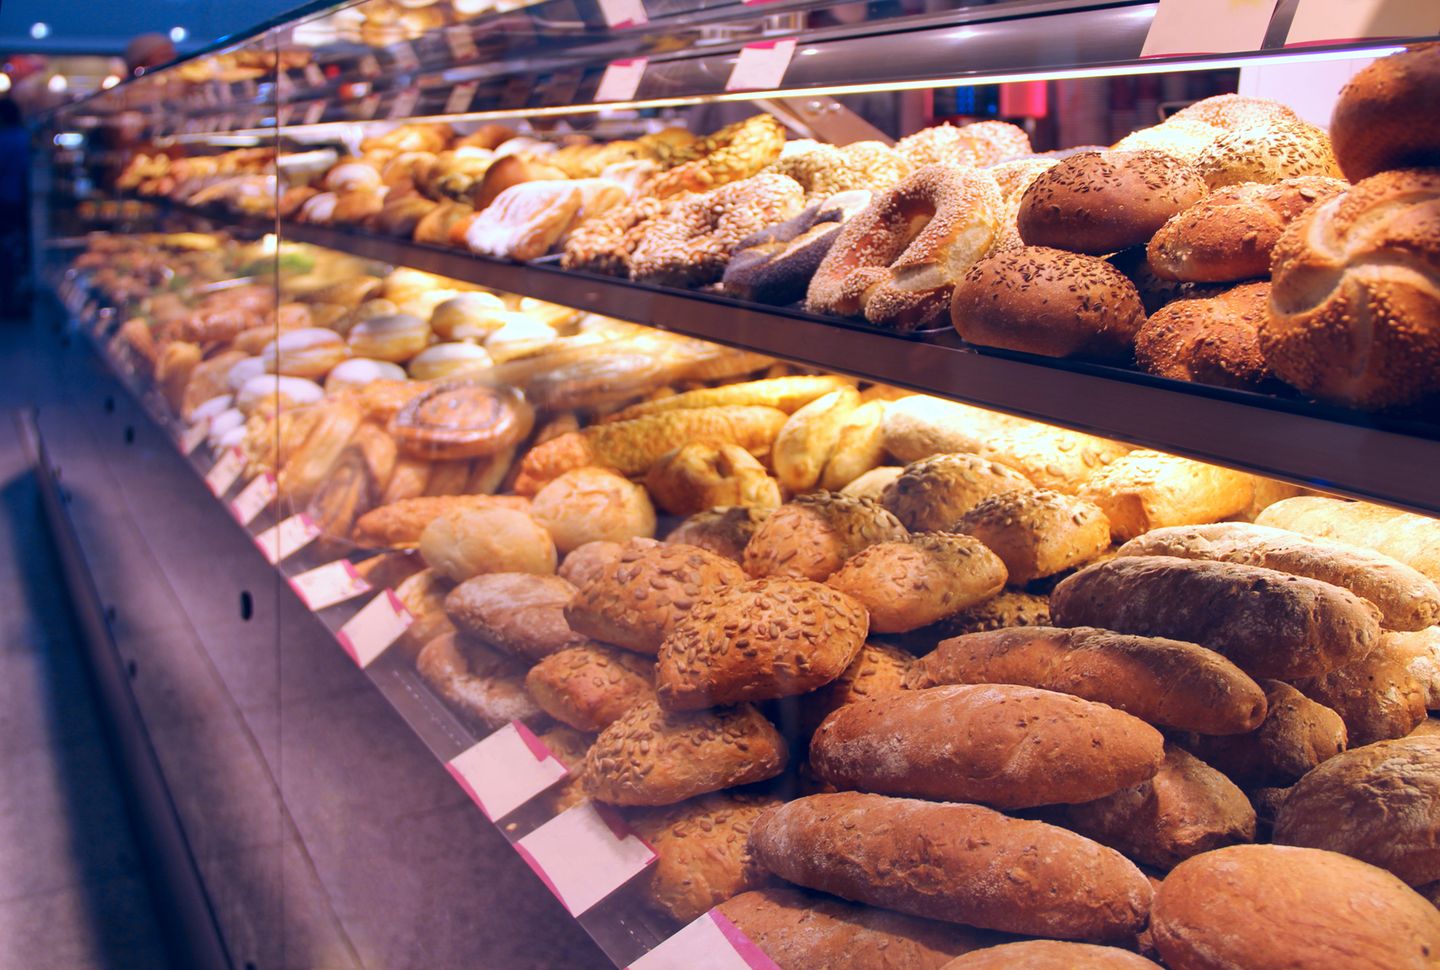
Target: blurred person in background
14,212
148,51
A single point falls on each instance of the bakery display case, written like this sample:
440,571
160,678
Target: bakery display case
791,463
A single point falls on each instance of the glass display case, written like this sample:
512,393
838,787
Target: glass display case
978,325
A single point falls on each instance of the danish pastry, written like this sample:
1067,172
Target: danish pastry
460,419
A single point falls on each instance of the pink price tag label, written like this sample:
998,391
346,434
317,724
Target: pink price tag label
370,632
621,79
190,438
761,66
1338,21
288,537
1183,27
314,76
506,770
404,104
461,43
367,107
711,942
254,498
314,112
328,585
458,101
369,66
584,854
619,14
404,56
226,471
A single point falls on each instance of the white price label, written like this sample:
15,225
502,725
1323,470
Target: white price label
404,104
621,79
506,770
314,112
1184,27
1340,21
286,538
226,471
325,586
461,43
761,66
314,76
460,97
253,498
367,107
190,438
404,55
370,632
711,942
584,854
623,13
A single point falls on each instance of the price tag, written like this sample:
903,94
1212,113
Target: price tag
190,438
284,85
253,498
506,770
623,13
404,104
761,66
314,112
460,97
367,107
404,56
584,854
1183,27
371,631
225,471
325,586
1339,21
621,79
369,66
461,43
314,76
711,942
287,538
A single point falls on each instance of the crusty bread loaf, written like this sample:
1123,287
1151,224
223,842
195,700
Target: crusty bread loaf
1270,624
484,688
1412,539
652,757
1037,532
636,601
962,863
1000,745
758,640
801,930
723,531
919,426
812,536
910,584
1421,651
1208,339
932,494
1382,118
859,447
1053,458
589,686
804,444
1166,682
1050,955
877,669
1406,598
1377,696
520,613
1145,490
1379,803
1186,809
1276,907
1296,735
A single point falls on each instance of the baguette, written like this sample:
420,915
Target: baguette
1268,623
1000,745
1412,539
962,863
1166,682
787,394
1146,490
1406,598
1296,735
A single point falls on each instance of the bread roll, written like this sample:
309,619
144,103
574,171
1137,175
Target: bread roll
859,447
1381,121
962,863
484,688
1235,111
519,613
1146,490
590,504
1267,153
932,494
725,531
910,584
702,475
877,669
758,640
653,757
919,426
1270,624
1208,339
1166,682
1009,608
588,687
1183,139
1037,532
1053,458
635,601
1377,696
1421,651
812,536
398,524
423,596
585,562
872,484
1412,539
789,394
1050,955
1296,735
1407,600
809,436
1268,907
800,930
463,543
1000,745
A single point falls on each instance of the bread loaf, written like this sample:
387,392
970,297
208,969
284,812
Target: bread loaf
1378,696
1000,745
812,536
809,436
1422,652
465,542
1412,539
1208,339
1146,490
907,585
589,686
519,613
1407,600
1037,532
1050,955
932,494
877,669
803,931
723,531
1268,623
859,448
651,757
1053,458
962,863
1166,682
1276,907
1380,119
484,688
919,426
758,640
1296,735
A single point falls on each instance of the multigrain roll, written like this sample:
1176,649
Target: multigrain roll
1036,532
1208,339
932,494
919,426
1380,119
1268,623
999,745
877,669
1296,735
812,536
589,686
1050,955
1146,490
1165,682
910,584
1048,302
1267,153
725,531
1410,538
1378,696
1268,907
519,613
961,863
1008,608
1053,458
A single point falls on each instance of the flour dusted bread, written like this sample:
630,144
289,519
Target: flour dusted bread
1275,907
962,863
589,686
1421,651
1412,539
1268,623
520,613
932,494
907,585
1146,490
592,504
1377,696
1296,735
1000,745
812,536
1037,532
1050,955
1165,682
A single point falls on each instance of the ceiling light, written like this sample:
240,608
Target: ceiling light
4,83
58,84
110,81
178,34
39,30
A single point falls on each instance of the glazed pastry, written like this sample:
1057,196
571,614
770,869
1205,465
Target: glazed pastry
309,352
359,371
449,360
394,338
468,316
458,419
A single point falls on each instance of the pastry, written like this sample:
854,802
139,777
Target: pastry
737,151
967,146
309,352
359,371
912,583
776,264
700,475
932,494
394,338
521,614
466,542
590,685
461,419
859,446
399,523
468,316
452,360
525,220
1036,532
812,536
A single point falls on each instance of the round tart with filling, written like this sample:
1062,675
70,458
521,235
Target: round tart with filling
462,419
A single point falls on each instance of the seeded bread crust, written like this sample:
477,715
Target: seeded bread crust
1038,533
933,493
589,686
812,536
